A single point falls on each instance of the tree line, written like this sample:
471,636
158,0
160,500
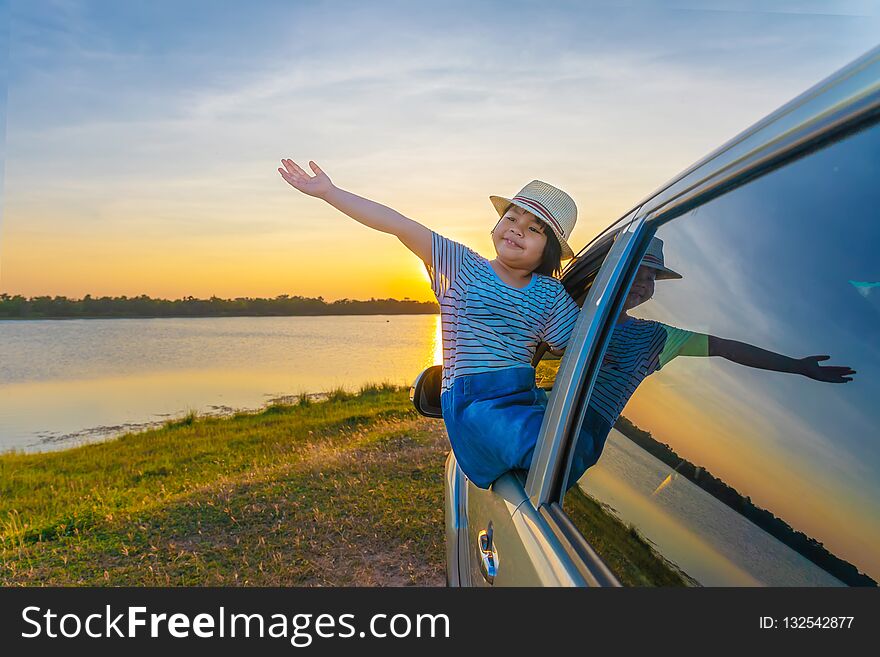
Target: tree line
60,307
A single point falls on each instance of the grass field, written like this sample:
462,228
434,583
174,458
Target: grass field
343,492
347,491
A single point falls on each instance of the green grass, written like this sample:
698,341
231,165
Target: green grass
546,371
343,492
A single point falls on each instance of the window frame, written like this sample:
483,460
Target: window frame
576,369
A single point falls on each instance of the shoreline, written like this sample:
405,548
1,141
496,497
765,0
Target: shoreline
105,433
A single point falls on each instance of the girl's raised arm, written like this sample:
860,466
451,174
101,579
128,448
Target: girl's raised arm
415,236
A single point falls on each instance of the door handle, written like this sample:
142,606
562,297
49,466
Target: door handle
488,555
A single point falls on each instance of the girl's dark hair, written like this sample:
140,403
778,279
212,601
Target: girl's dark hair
551,262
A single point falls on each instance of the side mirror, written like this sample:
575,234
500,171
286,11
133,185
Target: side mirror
425,392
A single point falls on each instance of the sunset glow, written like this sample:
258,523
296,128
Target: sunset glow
159,176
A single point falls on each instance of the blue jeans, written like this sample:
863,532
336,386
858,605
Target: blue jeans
493,420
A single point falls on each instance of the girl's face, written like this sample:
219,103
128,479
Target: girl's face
519,239
642,288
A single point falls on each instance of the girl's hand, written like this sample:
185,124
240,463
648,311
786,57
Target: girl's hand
810,367
318,185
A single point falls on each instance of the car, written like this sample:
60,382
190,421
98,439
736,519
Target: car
718,471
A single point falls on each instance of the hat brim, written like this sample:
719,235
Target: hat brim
663,273
501,204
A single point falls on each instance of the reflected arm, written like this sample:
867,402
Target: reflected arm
752,356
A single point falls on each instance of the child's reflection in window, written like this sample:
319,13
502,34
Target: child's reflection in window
640,347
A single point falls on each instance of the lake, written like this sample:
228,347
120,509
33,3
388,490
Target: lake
69,382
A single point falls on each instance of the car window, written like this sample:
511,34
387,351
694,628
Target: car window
578,279
733,433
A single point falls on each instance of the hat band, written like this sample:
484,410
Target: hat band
652,260
544,212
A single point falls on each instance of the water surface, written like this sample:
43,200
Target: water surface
65,382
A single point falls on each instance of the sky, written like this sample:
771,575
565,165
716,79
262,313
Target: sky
142,138
4,60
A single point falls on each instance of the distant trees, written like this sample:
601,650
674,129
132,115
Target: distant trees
59,307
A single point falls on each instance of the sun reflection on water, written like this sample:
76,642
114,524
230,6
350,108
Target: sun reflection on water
438,341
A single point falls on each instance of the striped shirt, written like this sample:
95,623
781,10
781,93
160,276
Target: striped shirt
639,347
487,324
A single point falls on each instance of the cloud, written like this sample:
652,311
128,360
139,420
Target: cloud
117,105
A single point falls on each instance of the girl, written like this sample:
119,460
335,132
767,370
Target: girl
494,314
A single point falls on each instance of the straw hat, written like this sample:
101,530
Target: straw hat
654,259
549,204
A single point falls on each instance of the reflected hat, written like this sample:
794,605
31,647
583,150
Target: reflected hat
654,259
549,204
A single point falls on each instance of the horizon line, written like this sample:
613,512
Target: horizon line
8,295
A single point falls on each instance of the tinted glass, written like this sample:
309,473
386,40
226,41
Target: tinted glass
744,456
